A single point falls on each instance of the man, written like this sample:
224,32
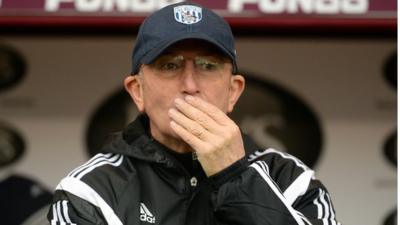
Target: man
183,160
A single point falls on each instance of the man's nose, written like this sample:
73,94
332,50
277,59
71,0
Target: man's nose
189,82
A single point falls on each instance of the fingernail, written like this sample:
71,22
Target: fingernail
178,101
170,112
189,98
172,123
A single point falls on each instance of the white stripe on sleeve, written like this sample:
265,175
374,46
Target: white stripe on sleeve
325,206
55,218
110,161
298,162
65,212
84,191
299,186
61,219
275,189
319,206
332,218
304,219
93,160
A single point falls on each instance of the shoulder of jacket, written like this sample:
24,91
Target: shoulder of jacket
105,174
102,164
100,182
271,156
282,167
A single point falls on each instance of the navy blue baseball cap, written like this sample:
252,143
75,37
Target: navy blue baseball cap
178,22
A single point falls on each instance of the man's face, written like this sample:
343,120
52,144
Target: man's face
187,68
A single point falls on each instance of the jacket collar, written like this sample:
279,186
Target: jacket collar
136,141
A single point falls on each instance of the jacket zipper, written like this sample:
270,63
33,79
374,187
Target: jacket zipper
193,180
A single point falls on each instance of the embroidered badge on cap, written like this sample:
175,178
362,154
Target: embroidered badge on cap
187,14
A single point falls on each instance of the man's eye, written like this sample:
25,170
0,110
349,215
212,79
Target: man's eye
170,66
207,65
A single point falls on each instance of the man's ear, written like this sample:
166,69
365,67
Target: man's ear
133,85
237,87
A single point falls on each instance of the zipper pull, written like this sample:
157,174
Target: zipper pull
193,181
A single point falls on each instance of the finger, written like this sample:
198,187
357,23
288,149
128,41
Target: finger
186,136
211,110
198,116
191,126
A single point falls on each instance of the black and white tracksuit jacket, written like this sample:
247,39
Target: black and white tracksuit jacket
137,181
